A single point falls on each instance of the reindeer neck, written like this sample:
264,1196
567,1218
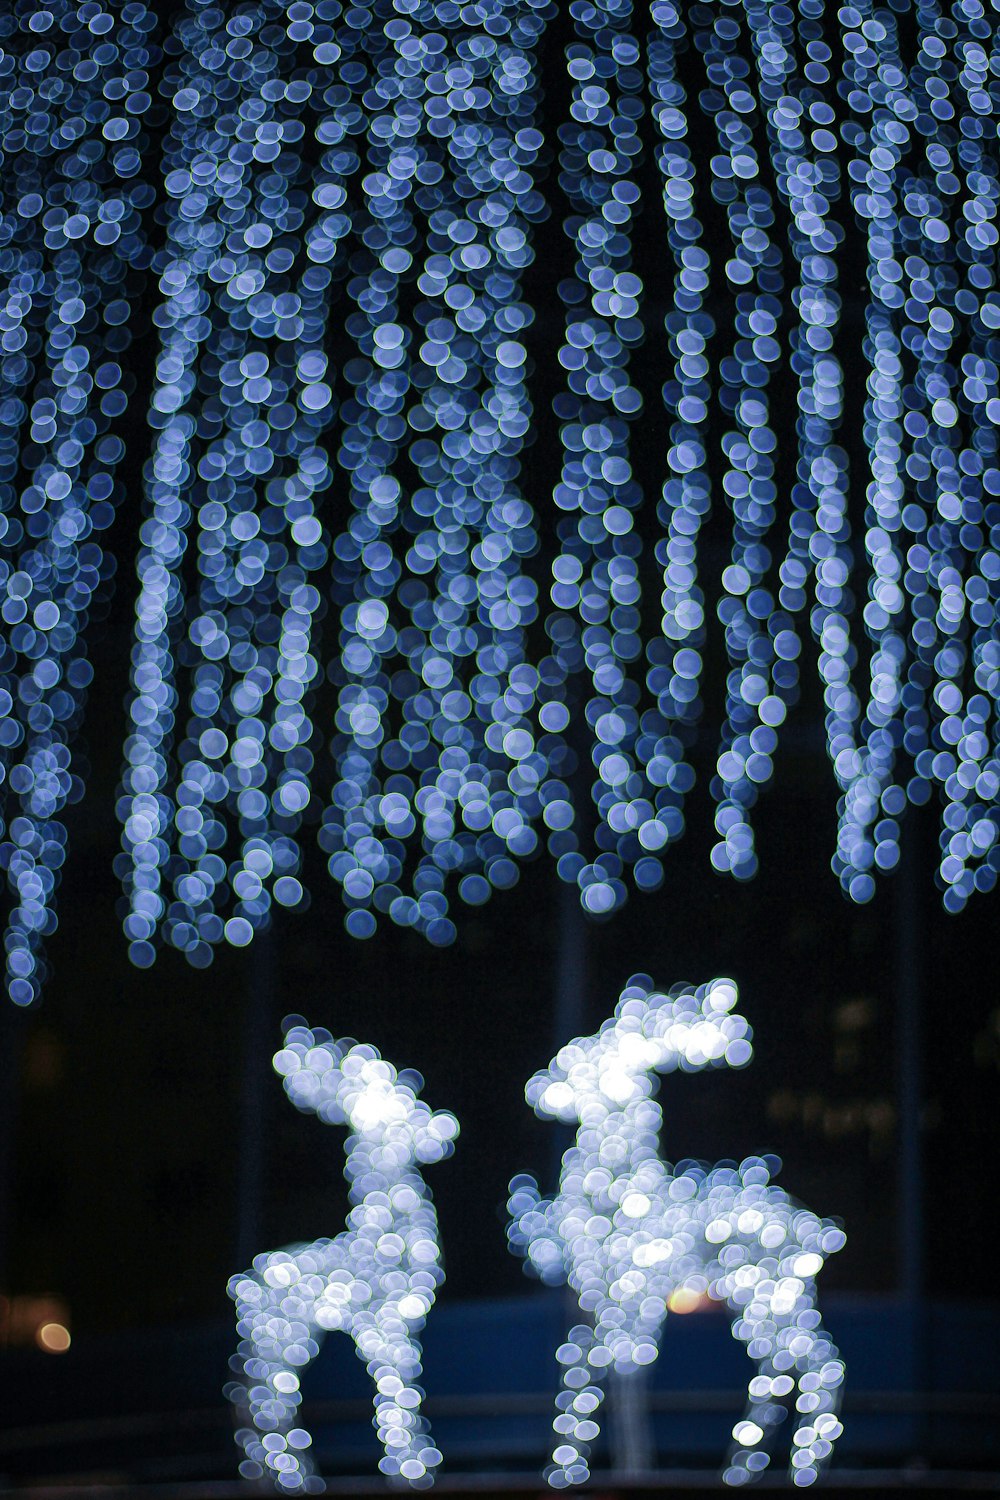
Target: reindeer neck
621,1142
362,1186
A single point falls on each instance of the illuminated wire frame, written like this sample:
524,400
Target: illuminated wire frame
345,557
74,87
375,1281
628,1233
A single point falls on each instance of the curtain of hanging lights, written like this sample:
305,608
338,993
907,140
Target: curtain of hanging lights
348,612
74,82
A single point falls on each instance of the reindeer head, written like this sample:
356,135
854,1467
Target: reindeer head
686,1028
348,1083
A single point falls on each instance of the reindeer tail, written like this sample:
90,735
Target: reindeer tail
530,1232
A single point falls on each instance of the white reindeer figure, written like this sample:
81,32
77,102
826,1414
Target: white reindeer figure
627,1233
376,1281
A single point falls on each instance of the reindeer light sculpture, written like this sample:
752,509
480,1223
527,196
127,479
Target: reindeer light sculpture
376,1281
627,1233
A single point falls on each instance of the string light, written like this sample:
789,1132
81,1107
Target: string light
629,1234
463,686
460,770
240,407
596,588
379,168
74,88
375,1281
675,660
928,482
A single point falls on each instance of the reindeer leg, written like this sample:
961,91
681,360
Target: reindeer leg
796,1360
820,1371
576,1405
275,1318
384,1342
754,1433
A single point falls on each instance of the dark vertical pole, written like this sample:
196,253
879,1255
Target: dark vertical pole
909,971
910,959
571,966
13,1023
258,1045
570,1009
630,1430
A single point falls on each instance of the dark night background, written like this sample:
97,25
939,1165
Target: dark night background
151,1151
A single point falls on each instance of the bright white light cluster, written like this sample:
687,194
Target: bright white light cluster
627,1232
369,559
74,87
375,1281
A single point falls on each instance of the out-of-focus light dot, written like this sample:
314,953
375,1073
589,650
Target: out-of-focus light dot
238,932
288,891
360,924
475,890
53,1338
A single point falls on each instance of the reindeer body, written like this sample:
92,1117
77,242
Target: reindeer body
628,1233
375,1281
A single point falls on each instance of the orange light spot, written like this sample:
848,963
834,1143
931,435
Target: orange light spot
53,1338
684,1300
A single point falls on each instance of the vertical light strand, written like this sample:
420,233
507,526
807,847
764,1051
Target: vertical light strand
941,210
793,63
763,681
929,284
675,657
449,726
373,430
75,82
979,397
873,69
241,382
596,588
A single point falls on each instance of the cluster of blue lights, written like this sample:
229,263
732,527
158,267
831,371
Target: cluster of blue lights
435,111
239,412
379,169
636,1238
74,88
761,640
354,610
927,190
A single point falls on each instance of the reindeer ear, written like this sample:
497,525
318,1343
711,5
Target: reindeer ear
435,1137
535,1088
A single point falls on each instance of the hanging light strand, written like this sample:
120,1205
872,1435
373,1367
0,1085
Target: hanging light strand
675,659
596,587
761,683
462,754
250,323
75,81
927,478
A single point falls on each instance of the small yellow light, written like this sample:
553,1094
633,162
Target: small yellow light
683,1300
53,1338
